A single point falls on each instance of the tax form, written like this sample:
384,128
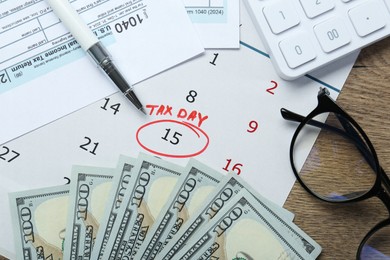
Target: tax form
216,21
44,74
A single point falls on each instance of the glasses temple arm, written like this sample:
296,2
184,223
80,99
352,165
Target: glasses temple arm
350,132
291,116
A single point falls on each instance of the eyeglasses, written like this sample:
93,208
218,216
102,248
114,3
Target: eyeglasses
344,167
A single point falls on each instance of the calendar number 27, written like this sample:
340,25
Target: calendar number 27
8,155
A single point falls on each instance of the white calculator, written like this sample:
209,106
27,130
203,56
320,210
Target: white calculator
303,35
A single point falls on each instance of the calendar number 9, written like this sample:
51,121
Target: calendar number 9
253,125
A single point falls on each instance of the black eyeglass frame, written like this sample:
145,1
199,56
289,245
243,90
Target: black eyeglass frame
381,187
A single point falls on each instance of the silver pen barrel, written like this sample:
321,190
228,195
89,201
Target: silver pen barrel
103,58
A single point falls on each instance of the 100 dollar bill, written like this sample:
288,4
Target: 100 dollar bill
143,201
39,222
89,191
243,229
120,183
228,188
191,191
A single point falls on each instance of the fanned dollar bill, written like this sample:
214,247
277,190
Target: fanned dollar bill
120,184
39,222
149,208
143,201
243,229
228,188
89,190
191,191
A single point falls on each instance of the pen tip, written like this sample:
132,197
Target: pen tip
142,110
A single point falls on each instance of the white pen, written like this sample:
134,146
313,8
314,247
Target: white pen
91,44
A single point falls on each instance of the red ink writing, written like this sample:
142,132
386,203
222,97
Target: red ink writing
271,89
166,110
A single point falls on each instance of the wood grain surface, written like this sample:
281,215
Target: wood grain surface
366,97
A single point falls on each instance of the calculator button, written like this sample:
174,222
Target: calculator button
332,34
281,16
363,23
315,8
297,50
367,18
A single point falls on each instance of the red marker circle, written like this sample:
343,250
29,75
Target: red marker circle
194,135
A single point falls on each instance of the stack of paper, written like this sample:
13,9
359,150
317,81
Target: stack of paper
149,208
45,75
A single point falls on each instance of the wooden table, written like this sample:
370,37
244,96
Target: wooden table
366,97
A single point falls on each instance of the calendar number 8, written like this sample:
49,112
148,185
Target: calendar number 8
191,96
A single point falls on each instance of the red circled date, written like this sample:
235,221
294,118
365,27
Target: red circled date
172,138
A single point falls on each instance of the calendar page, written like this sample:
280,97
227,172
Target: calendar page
222,108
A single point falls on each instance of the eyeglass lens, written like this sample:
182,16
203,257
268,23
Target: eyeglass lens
377,246
338,168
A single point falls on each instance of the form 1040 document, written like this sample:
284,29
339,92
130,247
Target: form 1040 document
216,21
45,75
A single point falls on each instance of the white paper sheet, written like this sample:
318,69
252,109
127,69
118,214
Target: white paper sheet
216,21
222,108
44,75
